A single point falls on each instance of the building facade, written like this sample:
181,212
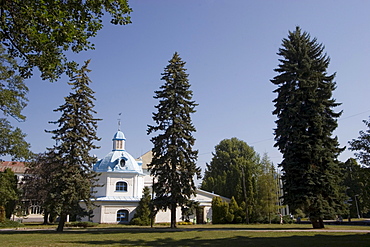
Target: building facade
121,185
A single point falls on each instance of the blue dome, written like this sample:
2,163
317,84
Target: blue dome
119,136
118,161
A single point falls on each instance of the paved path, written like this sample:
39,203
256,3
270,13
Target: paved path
188,229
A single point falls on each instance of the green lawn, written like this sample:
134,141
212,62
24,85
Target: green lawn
208,235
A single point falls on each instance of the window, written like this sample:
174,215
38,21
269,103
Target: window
122,163
121,186
122,215
119,145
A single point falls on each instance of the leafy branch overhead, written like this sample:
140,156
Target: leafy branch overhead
38,32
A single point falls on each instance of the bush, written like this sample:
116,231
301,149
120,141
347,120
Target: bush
229,217
185,223
83,224
238,219
288,220
10,224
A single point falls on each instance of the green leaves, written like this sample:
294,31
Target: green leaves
39,32
361,145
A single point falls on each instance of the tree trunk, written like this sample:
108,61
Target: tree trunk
62,221
46,218
317,223
245,197
173,215
2,214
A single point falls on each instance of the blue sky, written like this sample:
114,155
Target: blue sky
229,47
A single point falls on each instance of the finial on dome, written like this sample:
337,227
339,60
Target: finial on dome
119,121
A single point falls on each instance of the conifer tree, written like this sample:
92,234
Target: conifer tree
75,137
143,213
305,125
267,191
174,161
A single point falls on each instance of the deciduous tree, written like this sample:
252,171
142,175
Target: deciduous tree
361,145
357,182
174,161
8,193
233,171
12,101
39,182
305,125
39,32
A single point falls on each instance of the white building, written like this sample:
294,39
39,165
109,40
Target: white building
122,181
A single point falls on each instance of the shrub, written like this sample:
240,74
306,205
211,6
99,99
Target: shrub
185,223
10,224
288,220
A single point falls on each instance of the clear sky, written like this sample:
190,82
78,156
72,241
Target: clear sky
229,47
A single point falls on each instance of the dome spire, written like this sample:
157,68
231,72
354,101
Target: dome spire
119,121
119,138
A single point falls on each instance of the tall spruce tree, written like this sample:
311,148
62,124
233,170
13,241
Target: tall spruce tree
174,161
305,125
75,137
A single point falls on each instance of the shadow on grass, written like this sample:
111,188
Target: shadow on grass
231,237
316,240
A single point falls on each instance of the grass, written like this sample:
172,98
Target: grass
205,235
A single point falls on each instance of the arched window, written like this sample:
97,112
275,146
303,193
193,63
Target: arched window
122,163
122,215
121,186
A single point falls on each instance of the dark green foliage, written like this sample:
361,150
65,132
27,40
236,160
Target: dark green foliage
223,212
233,171
219,210
174,162
9,193
12,101
39,32
362,145
357,182
188,210
143,213
234,212
305,126
73,176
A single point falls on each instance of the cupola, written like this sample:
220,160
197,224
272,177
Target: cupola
119,141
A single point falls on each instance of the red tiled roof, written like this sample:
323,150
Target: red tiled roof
15,166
